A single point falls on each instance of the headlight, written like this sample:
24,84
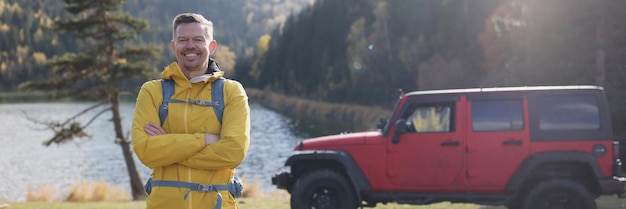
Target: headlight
284,169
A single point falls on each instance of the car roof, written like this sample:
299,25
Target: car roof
505,89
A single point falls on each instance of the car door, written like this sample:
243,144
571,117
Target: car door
497,139
430,153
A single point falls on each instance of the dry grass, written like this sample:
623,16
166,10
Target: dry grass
251,190
271,202
103,192
43,194
80,192
92,195
94,192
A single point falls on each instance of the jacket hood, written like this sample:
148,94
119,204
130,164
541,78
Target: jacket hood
174,72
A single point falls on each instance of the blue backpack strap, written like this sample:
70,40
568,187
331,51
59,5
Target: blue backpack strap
234,187
217,95
167,86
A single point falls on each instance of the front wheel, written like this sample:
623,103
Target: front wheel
559,194
323,189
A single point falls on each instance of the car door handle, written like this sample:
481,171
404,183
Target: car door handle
512,142
450,143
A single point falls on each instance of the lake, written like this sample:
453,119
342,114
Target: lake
25,163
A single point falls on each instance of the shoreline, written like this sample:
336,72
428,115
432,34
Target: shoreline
361,118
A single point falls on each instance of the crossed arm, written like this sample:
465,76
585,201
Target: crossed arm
156,148
152,129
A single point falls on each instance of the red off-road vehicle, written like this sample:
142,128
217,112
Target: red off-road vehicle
526,147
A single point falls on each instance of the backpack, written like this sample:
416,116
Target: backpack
217,95
235,186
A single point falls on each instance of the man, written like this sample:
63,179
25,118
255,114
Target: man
192,145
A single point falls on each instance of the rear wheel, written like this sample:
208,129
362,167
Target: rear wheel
323,189
559,194
514,205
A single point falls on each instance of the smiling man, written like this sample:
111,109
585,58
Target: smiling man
194,140
193,43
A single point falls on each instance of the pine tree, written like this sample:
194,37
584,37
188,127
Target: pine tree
101,71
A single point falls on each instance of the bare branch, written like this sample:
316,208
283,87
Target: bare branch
70,128
85,111
48,124
65,134
96,116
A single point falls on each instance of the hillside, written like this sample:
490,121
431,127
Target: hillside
363,51
26,44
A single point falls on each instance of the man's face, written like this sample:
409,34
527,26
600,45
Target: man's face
192,47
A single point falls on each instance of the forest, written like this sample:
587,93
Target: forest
363,51
27,43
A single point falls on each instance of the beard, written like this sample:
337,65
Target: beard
196,64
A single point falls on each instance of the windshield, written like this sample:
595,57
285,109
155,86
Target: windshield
384,123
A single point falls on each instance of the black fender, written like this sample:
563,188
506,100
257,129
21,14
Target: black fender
351,168
525,169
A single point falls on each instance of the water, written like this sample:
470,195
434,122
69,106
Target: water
25,163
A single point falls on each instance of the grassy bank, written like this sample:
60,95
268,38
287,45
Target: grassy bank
39,96
22,96
244,203
98,195
363,117
271,202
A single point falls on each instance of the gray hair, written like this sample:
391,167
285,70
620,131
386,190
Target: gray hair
193,18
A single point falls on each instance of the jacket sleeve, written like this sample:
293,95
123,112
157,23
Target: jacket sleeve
161,150
232,147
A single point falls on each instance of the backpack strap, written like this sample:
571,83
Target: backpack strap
167,87
234,186
217,95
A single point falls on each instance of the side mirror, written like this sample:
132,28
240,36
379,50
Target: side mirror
381,124
400,127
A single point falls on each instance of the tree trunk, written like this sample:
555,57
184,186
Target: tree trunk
136,184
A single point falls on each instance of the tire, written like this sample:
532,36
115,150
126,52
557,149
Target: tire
514,205
557,194
518,200
323,189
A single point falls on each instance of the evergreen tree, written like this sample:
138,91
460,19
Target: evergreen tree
100,71
306,57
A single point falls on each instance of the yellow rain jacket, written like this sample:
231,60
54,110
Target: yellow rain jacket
181,155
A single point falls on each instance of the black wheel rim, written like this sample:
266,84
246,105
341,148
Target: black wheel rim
560,200
325,198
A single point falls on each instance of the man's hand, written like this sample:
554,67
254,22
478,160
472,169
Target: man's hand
210,138
153,129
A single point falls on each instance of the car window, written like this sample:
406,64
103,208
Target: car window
497,115
434,117
568,112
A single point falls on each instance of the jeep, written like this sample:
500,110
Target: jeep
521,147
